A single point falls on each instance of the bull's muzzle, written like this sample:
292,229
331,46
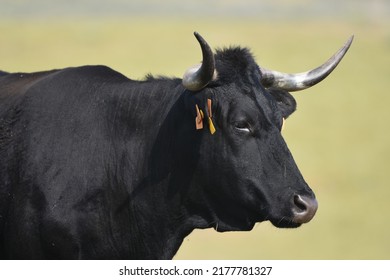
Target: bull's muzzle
304,209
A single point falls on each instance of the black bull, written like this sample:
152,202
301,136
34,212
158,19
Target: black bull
94,165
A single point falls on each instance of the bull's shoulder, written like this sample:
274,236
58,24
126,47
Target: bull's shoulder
92,73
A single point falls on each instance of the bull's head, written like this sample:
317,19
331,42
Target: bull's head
246,169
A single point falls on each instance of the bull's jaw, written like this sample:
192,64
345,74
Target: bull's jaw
223,227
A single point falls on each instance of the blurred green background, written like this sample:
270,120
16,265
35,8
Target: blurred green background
340,135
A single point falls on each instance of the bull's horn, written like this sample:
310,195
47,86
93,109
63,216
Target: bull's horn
198,76
295,82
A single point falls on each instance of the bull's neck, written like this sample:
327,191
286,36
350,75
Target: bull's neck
164,222
160,200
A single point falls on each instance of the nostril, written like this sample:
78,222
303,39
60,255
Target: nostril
304,208
300,203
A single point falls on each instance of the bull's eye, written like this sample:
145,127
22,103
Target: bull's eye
242,126
283,122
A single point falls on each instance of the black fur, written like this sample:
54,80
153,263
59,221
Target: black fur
94,165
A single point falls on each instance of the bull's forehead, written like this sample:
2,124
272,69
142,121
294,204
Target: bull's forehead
238,70
236,64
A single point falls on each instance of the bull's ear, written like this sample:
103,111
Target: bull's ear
284,100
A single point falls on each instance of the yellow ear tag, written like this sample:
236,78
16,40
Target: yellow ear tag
199,118
211,125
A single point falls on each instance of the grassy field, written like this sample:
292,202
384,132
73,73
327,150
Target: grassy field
340,135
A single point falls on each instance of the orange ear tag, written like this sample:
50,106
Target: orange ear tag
211,125
199,118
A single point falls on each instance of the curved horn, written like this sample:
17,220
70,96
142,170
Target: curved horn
295,82
198,76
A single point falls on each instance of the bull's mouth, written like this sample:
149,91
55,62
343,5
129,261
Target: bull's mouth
302,209
285,223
